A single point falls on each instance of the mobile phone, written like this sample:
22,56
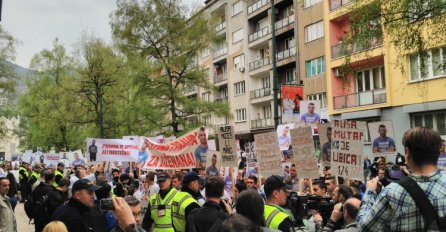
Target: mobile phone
106,204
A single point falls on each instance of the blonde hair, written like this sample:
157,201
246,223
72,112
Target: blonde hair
55,226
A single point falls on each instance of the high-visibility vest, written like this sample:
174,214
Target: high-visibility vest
179,204
56,174
162,223
273,217
21,175
36,175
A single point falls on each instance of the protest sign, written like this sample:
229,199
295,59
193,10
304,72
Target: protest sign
228,148
347,149
113,150
250,154
180,153
304,153
51,159
382,137
269,159
213,163
325,132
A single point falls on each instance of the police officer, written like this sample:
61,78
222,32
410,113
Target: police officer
275,216
159,218
35,176
185,200
23,179
58,174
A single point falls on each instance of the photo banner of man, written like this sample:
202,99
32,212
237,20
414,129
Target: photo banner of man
304,153
213,163
291,99
310,112
184,152
382,138
228,148
122,150
268,159
347,149
51,160
325,132
284,139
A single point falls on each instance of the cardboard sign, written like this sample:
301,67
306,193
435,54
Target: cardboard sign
269,158
304,153
347,149
112,150
228,148
211,169
51,159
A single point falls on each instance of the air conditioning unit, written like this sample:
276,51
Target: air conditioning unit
241,69
338,72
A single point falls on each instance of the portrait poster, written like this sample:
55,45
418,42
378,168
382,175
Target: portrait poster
284,140
310,112
382,138
213,163
291,97
325,133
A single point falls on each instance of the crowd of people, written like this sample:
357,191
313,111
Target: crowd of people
97,198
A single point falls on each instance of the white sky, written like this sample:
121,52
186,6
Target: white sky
36,23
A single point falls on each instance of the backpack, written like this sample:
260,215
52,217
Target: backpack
432,222
215,227
34,208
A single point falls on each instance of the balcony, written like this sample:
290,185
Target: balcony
371,97
257,5
285,22
220,78
259,64
220,27
258,93
220,52
335,4
221,98
258,34
286,54
340,50
262,123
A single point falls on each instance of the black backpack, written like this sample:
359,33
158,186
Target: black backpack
34,208
431,220
215,227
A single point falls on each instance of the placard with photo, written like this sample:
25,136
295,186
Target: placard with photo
310,112
382,138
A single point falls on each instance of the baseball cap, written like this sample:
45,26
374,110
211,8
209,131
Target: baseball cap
163,176
60,164
274,182
189,177
84,184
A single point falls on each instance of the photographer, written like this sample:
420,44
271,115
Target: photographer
346,211
124,187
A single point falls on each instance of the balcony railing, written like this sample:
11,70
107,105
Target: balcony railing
262,123
257,5
221,98
370,97
220,27
339,50
220,77
220,52
258,34
335,4
285,22
258,93
259,63
286,53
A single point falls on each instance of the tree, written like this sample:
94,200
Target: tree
158,34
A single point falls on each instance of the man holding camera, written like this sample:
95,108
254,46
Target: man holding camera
159,218
275,216
346,211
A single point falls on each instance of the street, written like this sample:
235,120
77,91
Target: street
22,220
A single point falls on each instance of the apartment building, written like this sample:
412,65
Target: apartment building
9,142
379,90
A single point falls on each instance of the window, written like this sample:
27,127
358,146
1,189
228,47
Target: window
434,120
315,67
239,61
237,35
314,31
206,120
237,8
370,79
206,96
290,75
434,62
240,115
322,97
266,82
239,88
309,3
267,111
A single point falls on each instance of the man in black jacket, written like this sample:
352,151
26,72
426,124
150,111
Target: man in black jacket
59,196
38,194
72,214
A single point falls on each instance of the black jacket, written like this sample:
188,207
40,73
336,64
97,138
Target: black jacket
56,198
73,215
206,216
41,216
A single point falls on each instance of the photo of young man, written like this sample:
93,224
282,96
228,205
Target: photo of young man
311,114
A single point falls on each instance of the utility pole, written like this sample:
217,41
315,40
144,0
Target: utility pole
275,81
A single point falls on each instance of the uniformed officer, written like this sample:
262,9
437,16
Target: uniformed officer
23,179
275,216
185,200
58,174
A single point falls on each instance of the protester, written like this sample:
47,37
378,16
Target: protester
275,216
238,188
176,181
341,194
13,187
252,182
347,211
135,208
330,182
394,209
59,196
55,226
239,223
250,205
320,188
42,217
151,187
185,200
79,173
7,218
367,166
442,158
124,214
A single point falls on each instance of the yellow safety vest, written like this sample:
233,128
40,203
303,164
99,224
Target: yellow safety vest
20,175
179,204
35,174
273,217
56,174
162,223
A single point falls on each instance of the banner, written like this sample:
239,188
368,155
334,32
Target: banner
184,152
304,153
51,159
228,148
112,150
347,149
269,159
382,138
291,98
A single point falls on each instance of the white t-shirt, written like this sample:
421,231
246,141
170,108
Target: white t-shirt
153,188
138,195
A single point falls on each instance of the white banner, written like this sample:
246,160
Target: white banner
113,150
51,159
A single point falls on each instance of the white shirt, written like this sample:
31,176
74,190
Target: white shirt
138,195
153,188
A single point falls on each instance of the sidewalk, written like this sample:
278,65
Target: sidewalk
22,220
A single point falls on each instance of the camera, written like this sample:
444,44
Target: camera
323,205
106,204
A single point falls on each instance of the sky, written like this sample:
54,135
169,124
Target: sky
37,23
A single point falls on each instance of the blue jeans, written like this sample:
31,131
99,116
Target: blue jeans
13,201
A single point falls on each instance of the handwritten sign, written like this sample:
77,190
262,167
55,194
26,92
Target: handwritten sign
269,157
115,149
347,148
250,154
228,148
304,152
